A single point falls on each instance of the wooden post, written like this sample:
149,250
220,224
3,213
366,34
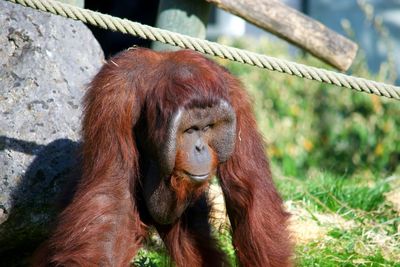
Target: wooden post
295,27
78,3
183,16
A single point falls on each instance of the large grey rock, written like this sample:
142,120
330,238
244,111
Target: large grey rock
46,62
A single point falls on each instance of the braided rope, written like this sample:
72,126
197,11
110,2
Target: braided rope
274,64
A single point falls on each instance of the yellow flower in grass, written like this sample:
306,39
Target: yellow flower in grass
308,145
379,149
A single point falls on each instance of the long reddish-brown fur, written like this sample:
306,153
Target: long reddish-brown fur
102,225
254,207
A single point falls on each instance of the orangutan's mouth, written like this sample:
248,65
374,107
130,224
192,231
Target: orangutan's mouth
197,177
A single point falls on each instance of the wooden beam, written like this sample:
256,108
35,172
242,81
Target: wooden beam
183,16
295,27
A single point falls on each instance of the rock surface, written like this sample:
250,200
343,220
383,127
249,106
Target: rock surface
46,62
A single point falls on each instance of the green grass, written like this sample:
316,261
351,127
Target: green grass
151,258
335,194
335,155
355,224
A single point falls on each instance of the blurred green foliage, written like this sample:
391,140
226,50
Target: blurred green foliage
312,126
153,257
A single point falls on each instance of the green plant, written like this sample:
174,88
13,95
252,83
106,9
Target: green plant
312,126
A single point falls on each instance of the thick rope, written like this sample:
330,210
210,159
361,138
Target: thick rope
146,32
